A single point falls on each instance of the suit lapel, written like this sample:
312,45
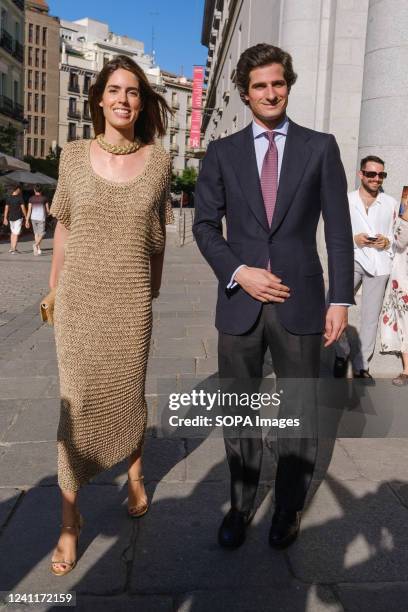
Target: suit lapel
246,170
295,157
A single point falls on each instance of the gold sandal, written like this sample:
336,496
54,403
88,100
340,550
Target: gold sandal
70,564
138,510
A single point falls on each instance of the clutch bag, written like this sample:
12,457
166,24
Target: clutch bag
47,308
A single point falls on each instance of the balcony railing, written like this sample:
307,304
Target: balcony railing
175,104
6,41
74,87
11,109
72,137
18,51
174,148
74,114
174,126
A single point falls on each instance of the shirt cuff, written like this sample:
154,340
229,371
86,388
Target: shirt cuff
339,304
232,282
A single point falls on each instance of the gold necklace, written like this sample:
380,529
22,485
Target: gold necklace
118,149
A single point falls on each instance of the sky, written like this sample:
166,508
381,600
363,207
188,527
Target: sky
177,26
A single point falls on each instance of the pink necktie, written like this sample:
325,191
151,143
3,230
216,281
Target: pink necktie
269,176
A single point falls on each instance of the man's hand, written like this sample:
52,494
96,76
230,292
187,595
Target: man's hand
262,285
27,223
5,222
362,240
336,323
381,243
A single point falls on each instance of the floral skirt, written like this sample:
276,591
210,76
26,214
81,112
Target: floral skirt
394,319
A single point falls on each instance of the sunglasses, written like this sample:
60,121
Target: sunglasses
372,174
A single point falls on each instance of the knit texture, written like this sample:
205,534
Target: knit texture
103,315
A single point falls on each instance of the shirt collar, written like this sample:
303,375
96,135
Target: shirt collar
282,128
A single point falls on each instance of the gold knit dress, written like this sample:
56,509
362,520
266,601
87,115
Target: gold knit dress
103,315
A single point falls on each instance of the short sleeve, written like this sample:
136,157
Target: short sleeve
162,215
61,205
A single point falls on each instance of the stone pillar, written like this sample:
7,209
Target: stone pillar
384,106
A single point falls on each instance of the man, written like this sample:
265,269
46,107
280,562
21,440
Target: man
372,217
14,212
38,209
271,181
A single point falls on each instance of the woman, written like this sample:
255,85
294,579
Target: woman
394,316
14,213
111,204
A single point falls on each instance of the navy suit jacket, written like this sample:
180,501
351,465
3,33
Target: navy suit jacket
312,182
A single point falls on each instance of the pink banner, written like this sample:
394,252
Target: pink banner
197,96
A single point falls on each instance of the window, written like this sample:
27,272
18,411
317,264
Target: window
72,105
43,81
36,79
73,82
71,131
35,152
44,36
36,100
87,83
44,58
37,58
29,101
28,146
87,114
42,150
35,125
42,126
30,34
30,56
87,131
29,79
37,34
15,92
28,128
43,104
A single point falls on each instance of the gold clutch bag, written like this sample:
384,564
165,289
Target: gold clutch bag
47,307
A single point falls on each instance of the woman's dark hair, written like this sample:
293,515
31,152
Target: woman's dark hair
14,186
152,118
38,188
262,55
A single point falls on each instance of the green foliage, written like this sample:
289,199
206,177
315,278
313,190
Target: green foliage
48,166
185,181
8,138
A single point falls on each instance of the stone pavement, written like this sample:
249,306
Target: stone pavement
352,552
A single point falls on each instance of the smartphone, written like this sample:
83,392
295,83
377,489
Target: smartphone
372,238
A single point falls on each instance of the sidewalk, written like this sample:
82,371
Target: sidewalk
352,552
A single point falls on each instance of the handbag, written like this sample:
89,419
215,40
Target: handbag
47,307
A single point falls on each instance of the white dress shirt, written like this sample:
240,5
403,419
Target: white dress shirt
378,220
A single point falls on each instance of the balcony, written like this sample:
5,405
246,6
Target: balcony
74,114
174,148
72,137
73,87
6,41
175,104
11,109
18,51
86,116
174,126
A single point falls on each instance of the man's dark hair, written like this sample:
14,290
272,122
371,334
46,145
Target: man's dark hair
38,188
262,55
371,158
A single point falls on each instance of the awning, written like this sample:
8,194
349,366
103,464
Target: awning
7,162
28,178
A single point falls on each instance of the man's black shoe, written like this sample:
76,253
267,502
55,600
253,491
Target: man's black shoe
364,374
340,367
284,528
232,531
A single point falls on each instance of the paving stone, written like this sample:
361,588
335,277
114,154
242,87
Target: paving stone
37,420
353,531
206,457
292,597
187,554
378,459
211,347
373,597
8,411
176,329
208,365
201,331
8,500
103,545
187,347
29,367
28,464
25,388
342,466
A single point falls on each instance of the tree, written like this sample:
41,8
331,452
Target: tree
8,138
48,166
185,181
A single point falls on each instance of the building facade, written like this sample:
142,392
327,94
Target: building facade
41,79
343,52
11,70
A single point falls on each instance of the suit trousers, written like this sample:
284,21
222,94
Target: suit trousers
240,359
373,289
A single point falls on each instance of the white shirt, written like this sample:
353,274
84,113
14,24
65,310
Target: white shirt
378,220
